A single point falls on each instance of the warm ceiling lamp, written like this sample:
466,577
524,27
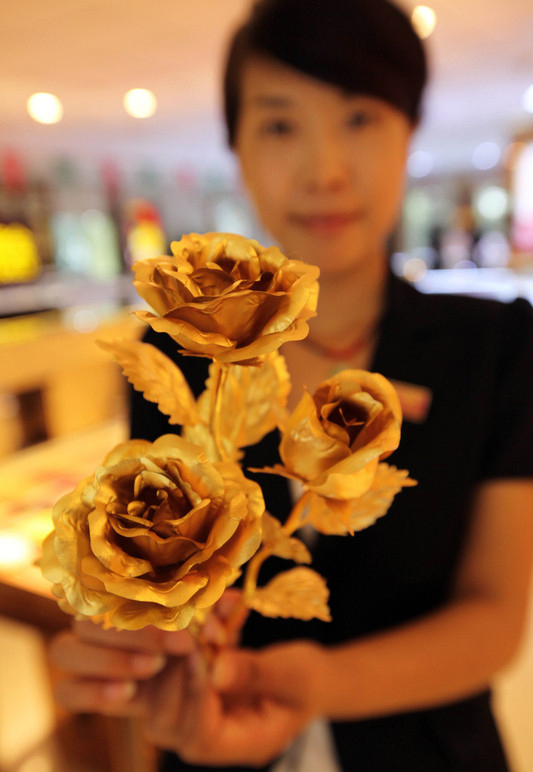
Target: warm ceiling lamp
424,20
140,102
45,108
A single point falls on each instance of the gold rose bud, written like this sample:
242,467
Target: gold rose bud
334,439
226,297
154,537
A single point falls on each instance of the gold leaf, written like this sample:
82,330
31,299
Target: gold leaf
153,373
254,399
336,517
300,593
282,545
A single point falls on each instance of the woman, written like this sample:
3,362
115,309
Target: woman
322,99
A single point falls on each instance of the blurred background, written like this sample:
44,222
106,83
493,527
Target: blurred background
111,146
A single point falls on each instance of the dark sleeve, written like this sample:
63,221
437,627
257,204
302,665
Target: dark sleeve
510,447
146,421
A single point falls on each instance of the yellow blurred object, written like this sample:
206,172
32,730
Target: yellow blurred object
19,258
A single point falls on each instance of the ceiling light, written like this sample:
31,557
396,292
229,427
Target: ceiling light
419,164
493,203
486,156
45,108
527,100
140,102
424,20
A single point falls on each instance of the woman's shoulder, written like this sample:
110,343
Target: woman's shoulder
465,314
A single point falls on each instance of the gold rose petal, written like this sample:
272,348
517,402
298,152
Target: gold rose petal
348,479
109,553
279,543
242,545
160,380
224,283
132,449
185,334
172,592
300,593
166,552
84,600
220,575
156,550
130,615
305,448
333,517
224,526
49,563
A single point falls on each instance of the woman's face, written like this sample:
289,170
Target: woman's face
325,169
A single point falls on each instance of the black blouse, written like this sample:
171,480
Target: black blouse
476,358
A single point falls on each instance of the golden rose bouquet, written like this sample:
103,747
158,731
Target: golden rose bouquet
161,529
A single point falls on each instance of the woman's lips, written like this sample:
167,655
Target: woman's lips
325,224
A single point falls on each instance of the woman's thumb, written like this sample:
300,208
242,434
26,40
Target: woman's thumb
238,670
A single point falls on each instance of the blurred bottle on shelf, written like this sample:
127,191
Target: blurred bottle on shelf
24,233
85,235
145,236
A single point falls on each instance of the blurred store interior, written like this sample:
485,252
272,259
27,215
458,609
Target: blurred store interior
83,197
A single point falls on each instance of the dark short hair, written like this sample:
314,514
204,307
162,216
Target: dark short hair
361,46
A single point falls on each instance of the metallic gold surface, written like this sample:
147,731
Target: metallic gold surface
155,535
226,297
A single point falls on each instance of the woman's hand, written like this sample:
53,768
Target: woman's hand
107,671
103,669
245,709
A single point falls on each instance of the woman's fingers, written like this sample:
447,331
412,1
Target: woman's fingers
148,638
166,698
81,658
113,698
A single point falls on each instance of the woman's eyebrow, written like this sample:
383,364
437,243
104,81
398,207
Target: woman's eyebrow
270,100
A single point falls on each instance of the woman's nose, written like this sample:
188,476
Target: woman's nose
325,165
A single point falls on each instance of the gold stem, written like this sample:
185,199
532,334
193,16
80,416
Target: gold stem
215,406
296,518
218,410
252,571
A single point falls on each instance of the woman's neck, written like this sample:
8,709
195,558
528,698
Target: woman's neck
349,303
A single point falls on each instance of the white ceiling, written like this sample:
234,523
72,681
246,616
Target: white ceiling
90,52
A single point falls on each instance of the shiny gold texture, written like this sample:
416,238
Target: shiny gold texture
154,536
300,593
160,380
226,297
334,439
252,400
339,517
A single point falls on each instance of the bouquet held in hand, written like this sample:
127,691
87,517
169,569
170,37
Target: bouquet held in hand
160,530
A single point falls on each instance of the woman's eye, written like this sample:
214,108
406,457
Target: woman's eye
359,118
277,128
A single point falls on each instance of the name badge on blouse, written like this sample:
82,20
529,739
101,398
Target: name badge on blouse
415,401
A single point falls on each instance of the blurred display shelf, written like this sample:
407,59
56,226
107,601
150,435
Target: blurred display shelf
499,283
55,290
31,481
54,358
